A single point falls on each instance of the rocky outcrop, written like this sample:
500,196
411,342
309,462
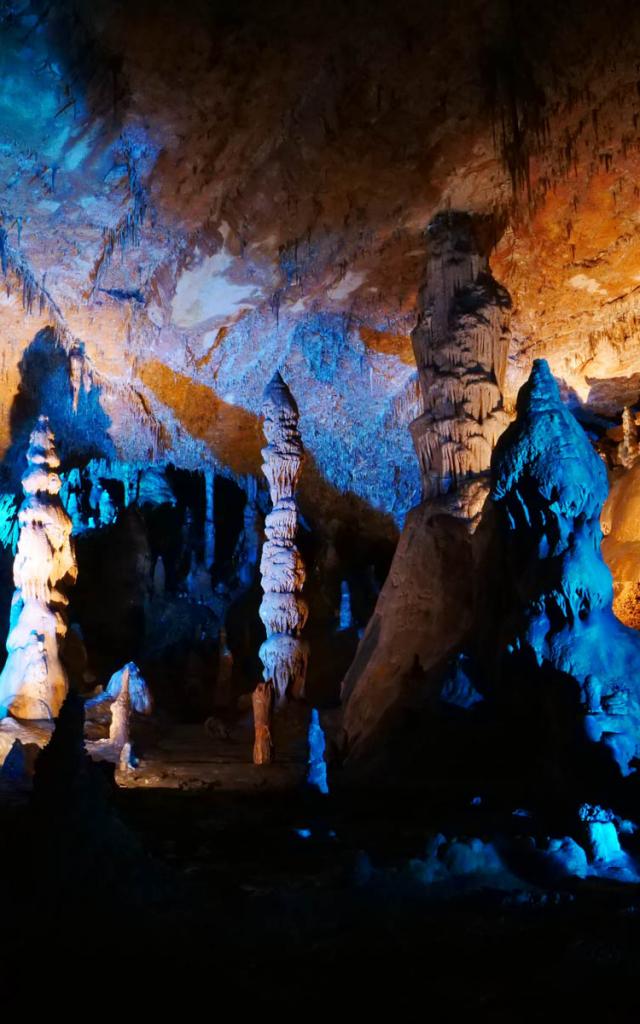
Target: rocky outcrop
34,683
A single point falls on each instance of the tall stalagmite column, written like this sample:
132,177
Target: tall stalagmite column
34,683
428,604
283,609
461,343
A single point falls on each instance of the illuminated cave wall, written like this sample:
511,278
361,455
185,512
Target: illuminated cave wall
192,197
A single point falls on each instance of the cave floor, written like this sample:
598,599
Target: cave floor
194,757
245,891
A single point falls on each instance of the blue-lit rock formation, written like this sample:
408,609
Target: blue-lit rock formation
570,668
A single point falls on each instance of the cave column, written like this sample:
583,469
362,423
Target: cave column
33,683
461,343
283,610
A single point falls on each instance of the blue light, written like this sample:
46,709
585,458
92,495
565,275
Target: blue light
317,774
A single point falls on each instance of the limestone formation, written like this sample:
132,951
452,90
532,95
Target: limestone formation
209,519
427,604
283,610
460,344
127,692
568,664
628,449
34,683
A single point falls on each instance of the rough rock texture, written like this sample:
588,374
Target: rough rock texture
568,663
461,342
34,683
283,609
427,603
422,615
621,543
192,196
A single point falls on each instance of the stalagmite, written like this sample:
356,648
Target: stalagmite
629,448
249,544
569,667
159,578
225,672
283,610
346,616
460,343
209,519
427,604
34,683
128,692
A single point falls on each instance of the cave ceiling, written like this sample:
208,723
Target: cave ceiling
194,195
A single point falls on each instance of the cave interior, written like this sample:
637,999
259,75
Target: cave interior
320,504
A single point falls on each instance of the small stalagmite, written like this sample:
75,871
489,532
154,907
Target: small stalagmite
629,448
283,610
33,683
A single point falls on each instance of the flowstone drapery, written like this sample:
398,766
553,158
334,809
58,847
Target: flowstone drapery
34,683
283,609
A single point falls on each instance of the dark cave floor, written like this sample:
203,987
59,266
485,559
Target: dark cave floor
247,891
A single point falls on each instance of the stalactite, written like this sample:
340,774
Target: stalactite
283,610
460,343
33,683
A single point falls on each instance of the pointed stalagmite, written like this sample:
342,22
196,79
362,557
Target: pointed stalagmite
34,683
283,610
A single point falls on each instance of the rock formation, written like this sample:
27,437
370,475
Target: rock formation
568,665
283,610
628,449
34,683
621,544
427,603
209,518
460,343
126,692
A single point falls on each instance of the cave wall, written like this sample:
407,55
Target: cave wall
194,195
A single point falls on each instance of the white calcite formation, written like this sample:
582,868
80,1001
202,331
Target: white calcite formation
628,449
460,343
34,683
127,692
283,609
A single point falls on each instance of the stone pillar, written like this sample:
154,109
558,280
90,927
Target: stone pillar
461,343
34,683
283,609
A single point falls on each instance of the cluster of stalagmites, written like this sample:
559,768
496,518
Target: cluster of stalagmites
34,683
460,342
283,610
